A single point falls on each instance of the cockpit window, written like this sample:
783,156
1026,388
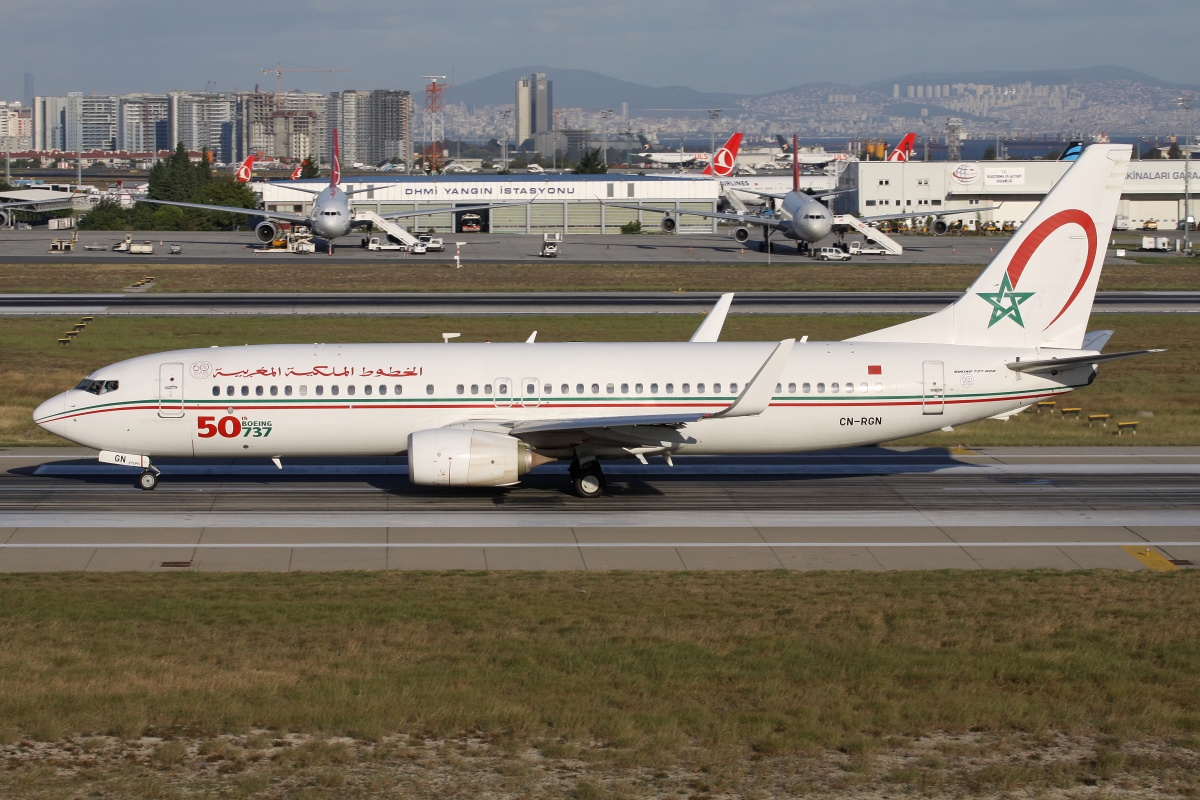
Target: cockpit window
97,387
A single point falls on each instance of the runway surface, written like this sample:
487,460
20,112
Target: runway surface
536,303
868,508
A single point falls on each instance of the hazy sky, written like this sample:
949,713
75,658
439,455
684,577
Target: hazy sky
119,46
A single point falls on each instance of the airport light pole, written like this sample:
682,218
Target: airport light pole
504,142
713,113
1186,103
604,115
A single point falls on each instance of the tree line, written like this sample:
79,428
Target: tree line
178,179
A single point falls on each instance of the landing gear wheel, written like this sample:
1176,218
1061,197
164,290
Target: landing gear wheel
588,482
147,480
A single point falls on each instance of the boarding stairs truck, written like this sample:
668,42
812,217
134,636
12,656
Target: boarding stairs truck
889,245
395,232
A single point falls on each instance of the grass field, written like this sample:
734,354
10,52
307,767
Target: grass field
765,684
1159,391
325,275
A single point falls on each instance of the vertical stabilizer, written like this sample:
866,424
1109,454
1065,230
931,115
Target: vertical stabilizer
725,160
904,150
1038,290
246,170
335,171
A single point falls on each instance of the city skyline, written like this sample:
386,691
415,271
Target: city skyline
122,46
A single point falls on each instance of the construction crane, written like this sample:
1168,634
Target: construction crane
279,70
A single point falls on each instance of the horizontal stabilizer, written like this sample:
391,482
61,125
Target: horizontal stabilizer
1095,340
1056,364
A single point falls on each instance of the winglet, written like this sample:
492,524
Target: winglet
710,329
756,397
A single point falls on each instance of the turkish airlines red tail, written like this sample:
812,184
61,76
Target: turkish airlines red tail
904,150
335,172
723,163
296,172
243,173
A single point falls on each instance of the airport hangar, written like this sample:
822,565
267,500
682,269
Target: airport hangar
1154,190
547,203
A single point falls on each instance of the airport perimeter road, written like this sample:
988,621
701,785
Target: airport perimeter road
870,508
536,303
694,249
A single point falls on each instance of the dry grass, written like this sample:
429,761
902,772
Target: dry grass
621,685
406,276
36,367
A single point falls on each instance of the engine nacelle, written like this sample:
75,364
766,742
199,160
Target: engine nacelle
3,219
741,234
939,227
464,457
668,225
266,231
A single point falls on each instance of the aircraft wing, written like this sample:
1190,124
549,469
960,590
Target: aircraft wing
425,211
659,429
251,212
775,223
909,215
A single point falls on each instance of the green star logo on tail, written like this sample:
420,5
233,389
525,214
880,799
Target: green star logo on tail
1006,302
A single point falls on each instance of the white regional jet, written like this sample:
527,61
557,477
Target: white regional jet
484,414
331,215
799,216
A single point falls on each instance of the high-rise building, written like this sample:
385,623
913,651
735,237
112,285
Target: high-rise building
91,122
524,111
16,127
49,123
543,103
203,121
373,126
142,123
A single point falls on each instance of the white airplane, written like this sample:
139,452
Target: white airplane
331,215
484,414
668,159
798,216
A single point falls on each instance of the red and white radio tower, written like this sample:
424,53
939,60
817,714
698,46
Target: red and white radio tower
435,128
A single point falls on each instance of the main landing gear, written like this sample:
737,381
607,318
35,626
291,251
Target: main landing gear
588,479
147,480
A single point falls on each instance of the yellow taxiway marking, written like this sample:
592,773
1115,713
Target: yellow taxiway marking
1151,559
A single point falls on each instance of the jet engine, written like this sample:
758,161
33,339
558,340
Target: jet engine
465,457
3,219
266,231
668,224
939,227
741,234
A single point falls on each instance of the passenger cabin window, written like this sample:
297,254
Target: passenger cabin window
791,388
733,388
350,389
850,387
398,389
367,389
216,391
303,390
806,388
716,388
429,389
609,388
274,391
566,389
821,388
637,388
258,391
245,391
320,390
579,388
833,388
595,388
654,388
474,388
334,389
287,390
460,389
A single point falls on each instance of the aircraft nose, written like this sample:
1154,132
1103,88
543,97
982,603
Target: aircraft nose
49,409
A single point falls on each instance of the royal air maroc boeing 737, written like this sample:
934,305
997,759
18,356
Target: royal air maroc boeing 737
484,414
331,214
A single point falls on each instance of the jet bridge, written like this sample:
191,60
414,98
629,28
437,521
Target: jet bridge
872,234
396,232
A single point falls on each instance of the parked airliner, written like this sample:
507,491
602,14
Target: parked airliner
331,215
485,414
798,216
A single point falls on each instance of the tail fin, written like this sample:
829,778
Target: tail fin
795,163
296,172
244,171
1038,290
335,171
904,150
1072,152
725,160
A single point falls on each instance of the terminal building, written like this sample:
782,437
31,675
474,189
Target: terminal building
542,203
1154,189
